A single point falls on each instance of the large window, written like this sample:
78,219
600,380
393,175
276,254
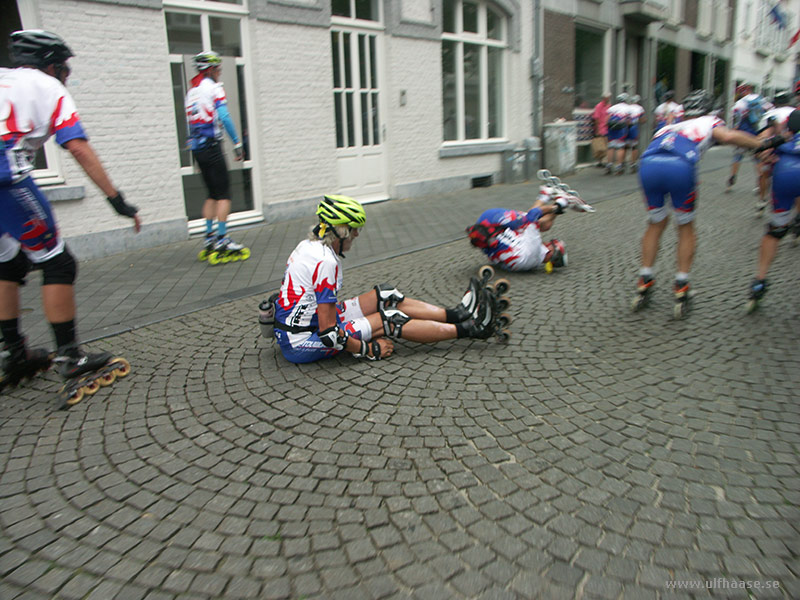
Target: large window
474,41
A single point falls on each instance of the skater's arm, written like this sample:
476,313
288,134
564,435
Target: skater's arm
86,157
326,316
736,137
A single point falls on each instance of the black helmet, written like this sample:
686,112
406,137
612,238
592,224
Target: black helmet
37,48
697,104
783,98
794,121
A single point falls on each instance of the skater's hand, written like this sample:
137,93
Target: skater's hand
238,149
137,223
387,346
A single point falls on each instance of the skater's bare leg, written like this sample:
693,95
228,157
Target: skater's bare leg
219,209
650,240
686,245
59,302
9,300
766,254
416,309
417,330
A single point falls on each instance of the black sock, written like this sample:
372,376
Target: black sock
452,315
461,331
10,331
64,333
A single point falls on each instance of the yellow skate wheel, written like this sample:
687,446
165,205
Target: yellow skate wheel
214,258
486,272
548,267
501,286
76,397
226,259
245,253
91,389
124,369
202,255
107,379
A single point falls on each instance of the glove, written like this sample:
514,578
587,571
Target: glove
769,143
365,348
122,207
239,150
561,203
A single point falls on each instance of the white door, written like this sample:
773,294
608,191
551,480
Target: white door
361,162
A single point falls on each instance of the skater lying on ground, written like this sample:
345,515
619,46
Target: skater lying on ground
35,105
311,323
512,239
785,197
669,167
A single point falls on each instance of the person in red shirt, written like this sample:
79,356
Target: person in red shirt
600,120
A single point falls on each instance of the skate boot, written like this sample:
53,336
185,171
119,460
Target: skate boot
488,320
19,363
467,308
609,168
620,169
84,374
761,205
644,287
731,181
226,250
634,167
208,247
758,287
682,296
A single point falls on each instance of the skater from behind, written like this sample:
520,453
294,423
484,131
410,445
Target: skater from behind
785,197
669,167
668,112
747,113
207,113
774,122
35,105
311,323
618,121
600,123
636,111
512,239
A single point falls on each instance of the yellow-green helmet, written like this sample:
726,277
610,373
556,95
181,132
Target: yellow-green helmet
206,60
341,210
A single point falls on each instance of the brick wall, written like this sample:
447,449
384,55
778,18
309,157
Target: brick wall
559,66
121,84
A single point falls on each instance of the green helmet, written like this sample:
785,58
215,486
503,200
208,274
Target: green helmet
341,210
206,60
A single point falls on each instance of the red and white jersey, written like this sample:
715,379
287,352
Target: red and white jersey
521,250
635,112
665,109
780,116
202,103
33,107
689,138
313,276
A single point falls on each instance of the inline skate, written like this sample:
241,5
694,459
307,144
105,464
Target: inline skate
682,297
226,250
84,374
758,287
644,287
18,363
488,320
208,247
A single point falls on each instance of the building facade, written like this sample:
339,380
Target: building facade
375,99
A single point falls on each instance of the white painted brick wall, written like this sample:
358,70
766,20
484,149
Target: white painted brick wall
121,84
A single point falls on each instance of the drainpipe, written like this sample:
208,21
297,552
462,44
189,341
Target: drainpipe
537,71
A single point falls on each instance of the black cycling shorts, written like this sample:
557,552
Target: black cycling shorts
214,170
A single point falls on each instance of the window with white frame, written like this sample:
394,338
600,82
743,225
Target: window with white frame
364,10
772,36
474,43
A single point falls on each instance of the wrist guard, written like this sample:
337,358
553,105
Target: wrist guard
365,348
239,150
769,143
122,207
332,338
560,204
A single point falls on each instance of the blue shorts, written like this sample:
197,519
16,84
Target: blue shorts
27,222
785,187
633,136
662,174
617,137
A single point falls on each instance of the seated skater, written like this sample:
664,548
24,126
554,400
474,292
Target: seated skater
512,239
311,323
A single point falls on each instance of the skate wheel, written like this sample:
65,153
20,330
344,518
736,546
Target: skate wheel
226,259
679,311
504,336
107,379
503,302
752,305
486,272
504,320
214,258
548,267
76,397
202,255
124,369
638,303
245,253
91,388
501,286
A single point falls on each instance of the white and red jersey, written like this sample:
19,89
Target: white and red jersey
635,112
618,115
668,112
203,101
313,276
779,115
518,247
688,139
33,107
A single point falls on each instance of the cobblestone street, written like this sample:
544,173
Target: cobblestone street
599,454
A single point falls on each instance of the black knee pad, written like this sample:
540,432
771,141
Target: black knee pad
778,231
61,269
15,269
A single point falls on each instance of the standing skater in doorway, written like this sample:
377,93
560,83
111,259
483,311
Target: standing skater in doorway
207,113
